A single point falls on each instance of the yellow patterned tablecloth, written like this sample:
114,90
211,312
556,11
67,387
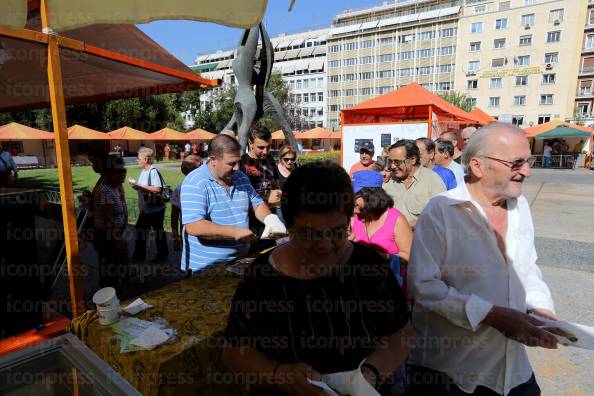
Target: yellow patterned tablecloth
198,309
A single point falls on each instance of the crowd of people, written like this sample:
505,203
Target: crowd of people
416,270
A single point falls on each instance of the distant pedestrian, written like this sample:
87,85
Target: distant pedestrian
546,155
8,169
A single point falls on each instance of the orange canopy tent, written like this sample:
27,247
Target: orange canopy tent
482,116
16,131
319,133
168,134
199,134
127,133
280,135
547,126
79,132
411,102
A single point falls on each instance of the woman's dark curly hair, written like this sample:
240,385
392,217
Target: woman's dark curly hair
376,200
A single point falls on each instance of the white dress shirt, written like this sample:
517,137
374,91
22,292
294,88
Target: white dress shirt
456,274
458,172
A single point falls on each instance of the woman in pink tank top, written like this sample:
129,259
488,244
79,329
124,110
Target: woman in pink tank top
377,224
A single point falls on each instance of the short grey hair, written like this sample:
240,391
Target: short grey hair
221,144
146,153
468,130
481,141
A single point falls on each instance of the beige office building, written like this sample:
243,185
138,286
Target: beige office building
376,50
519,59
584,100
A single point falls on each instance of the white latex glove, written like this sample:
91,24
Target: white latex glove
273,227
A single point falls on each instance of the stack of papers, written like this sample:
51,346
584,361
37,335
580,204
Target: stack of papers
140,335
568,333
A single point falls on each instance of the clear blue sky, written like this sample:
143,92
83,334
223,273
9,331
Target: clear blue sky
186,39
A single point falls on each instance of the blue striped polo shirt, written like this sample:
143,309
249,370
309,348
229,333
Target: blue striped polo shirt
203,198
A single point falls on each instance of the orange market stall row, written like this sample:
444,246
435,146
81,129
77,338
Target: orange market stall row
407,113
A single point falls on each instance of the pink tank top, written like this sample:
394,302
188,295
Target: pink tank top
383,238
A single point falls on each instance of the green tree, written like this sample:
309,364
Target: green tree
458,99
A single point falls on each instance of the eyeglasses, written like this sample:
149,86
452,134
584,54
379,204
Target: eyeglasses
289,159
513,165
397,162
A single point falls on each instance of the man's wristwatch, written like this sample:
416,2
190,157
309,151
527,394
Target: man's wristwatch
371,374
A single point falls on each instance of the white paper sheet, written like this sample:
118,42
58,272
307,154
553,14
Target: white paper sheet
152,337
583,333
350,383
137,306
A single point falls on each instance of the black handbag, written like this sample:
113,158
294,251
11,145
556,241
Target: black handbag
159,198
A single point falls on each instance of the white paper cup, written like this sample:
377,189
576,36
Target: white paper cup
105,298
108,316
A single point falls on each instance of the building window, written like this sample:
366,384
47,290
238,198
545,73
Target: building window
585,87
476,27
365,60
496,82
548,78
472,84
472,102
444,86
481,9
385,58
554,37
589,41
305,84
406,38
517,120
583,109
383,90
475,46
385,74
474,65
405,72
292,84
446,68
334,79
546,99
499,43
366,75
523,60
525,40
386,40
427,86
448,32
333,108
544,118
334,48
447,50
349,77
350,62
551,57
350,46
334,63
556,16
426,35
299,84
529,2
501,23
504,5
298,98
320,96
425,53
334,93
349,92
521,80
424,71
367,44
520,100
365,91
406,55
494,101
497,62
321,82
527,20
305,98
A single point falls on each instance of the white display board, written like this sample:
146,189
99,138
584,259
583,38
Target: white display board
353,135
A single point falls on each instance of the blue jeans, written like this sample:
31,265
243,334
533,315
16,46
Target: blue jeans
546,162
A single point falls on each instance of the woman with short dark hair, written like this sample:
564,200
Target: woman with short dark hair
337,306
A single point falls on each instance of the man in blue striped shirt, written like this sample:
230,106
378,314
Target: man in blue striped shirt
215,200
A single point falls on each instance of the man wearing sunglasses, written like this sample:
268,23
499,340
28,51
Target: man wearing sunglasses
474,277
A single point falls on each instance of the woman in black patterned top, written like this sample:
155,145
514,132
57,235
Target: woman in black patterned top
318,304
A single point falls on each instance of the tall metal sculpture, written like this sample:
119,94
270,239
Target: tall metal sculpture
252,68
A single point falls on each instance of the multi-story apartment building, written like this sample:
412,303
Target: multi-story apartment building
584,97
379,49
301,60
519,59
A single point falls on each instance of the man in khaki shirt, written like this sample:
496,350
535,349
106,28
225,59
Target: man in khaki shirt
412,185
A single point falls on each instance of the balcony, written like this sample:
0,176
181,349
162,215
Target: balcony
585,94
586,71
589,26
589,49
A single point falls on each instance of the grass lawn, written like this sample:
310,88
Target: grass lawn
83,178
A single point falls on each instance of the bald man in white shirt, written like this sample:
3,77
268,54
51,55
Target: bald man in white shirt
474,278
